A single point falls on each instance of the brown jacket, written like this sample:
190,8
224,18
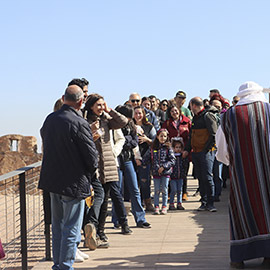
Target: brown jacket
107,169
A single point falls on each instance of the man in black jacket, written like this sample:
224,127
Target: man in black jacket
69,162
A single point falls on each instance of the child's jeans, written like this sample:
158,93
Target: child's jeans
161,185
176,188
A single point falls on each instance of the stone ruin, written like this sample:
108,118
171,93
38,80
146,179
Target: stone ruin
17,151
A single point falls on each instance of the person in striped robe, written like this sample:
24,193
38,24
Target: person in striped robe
243,143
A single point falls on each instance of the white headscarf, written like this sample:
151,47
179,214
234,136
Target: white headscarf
251,92
248,92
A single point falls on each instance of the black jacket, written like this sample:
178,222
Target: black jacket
70,157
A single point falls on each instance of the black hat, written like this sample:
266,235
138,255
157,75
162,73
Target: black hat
181,94
126,110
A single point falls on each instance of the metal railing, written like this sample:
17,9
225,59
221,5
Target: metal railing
24,235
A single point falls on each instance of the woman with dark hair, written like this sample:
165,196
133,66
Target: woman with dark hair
164,104
126,160
102,119
146,134
178,125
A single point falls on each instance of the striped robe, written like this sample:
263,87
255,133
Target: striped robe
247,132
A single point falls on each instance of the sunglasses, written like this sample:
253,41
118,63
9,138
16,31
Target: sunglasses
135,100
164,104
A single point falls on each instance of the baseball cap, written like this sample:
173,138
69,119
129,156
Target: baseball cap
181,94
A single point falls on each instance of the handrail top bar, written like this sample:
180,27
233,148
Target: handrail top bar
19,171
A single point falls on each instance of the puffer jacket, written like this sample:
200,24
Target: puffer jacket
107,167
70,158
180,167
162,157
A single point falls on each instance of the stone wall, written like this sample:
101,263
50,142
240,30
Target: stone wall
17,151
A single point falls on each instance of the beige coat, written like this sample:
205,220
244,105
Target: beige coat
107,170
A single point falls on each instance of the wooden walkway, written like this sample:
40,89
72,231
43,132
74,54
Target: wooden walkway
179,240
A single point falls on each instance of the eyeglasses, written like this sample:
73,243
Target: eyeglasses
135,100
164,104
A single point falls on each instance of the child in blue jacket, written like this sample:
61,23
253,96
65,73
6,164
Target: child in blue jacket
162,159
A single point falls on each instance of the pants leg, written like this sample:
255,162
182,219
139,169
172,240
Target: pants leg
144,180
131,183
67,216
217,171
115,220
92,214
179,185
164,189
157,188
173,185
204,168
104,208
118,202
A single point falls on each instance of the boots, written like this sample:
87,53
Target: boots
148,205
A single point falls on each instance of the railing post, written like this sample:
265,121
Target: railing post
23,221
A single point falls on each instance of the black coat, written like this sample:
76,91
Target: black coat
70,157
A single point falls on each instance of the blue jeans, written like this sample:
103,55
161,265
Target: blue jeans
217,171
161,185
176,188
67,217
131,184
144,181
204,169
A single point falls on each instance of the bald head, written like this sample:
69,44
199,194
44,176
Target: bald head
135,99
196,104
74,96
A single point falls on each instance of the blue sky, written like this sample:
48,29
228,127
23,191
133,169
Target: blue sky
146,46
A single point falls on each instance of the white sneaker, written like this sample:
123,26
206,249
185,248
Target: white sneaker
156,210
83,255
78,257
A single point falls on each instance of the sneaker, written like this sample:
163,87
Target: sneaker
156,210
125,229
164,210
212,209
82,254
144,225
180,207
202,207
78,257
103,243
172,207
90,236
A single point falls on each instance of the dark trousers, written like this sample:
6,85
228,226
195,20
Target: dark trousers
204,169
91,215
112,188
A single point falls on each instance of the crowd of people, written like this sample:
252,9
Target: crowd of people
92,150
